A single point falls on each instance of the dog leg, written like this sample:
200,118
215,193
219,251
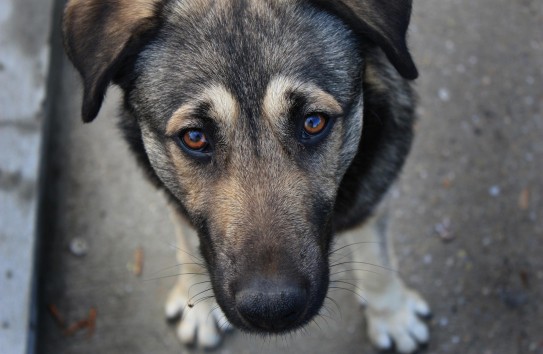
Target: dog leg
201,321
393,309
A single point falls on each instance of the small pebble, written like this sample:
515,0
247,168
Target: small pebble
513,299
443,94
487,241
494,191
455,340
443,229
427,259
79,247
524,199
476,119
443,321
528,100
449,262
458,290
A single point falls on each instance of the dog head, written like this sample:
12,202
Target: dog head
250,113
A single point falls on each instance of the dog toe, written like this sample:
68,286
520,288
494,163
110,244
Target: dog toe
420,331
200,324
186,331
403,327
380,339
208,335
175,303
419,305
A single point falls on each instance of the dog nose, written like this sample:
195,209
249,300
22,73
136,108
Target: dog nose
271,306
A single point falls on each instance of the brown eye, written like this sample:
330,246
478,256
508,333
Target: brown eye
195,140
314,124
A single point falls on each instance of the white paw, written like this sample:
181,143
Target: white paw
202,322
401,326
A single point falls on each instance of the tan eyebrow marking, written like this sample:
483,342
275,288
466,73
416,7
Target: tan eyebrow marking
222,104
276,102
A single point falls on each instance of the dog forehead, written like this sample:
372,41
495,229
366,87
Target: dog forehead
242,46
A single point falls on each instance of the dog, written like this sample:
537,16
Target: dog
271,126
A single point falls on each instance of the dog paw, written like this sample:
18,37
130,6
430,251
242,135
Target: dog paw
200,323
400,326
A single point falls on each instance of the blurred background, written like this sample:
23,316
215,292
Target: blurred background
78,222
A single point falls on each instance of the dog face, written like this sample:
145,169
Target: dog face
250,113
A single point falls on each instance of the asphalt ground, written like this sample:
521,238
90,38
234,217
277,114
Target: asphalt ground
467,211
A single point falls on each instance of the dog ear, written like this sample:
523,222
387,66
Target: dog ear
99,35
384,22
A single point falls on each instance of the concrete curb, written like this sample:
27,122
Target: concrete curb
25,27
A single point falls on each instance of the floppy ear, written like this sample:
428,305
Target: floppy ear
99,35
384,22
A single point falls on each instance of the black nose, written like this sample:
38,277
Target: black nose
271,305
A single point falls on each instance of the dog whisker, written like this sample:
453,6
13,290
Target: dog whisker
195,258
349,290
173,275
178,265
319,316
198,283
191,305
350,245
346,282
211,310
359,269
326,316
366,263
336,304
222,324
353,251
189,302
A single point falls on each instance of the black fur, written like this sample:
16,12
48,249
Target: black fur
243,46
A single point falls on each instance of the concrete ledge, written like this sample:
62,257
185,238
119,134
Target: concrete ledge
25,27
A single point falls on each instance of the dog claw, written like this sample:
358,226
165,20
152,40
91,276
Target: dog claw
403,327
173,308
201,325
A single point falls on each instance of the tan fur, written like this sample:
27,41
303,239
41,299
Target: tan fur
276,103
224,108
120,23
372,77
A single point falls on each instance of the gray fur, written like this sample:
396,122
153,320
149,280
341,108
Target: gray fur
265,205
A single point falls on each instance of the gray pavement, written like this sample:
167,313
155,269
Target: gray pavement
467,210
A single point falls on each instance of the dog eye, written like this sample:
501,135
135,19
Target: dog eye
195,140
314,124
